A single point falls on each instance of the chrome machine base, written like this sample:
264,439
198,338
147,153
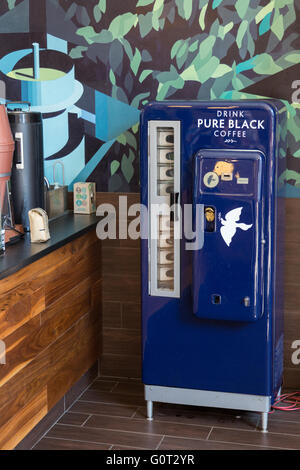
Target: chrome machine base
187,396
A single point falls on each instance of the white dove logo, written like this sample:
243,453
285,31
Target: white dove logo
229,225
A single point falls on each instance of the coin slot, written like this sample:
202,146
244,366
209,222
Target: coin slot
210,219
226,176
216,299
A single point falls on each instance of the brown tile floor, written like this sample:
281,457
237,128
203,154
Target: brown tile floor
111,414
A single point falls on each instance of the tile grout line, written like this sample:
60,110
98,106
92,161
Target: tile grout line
65,411
116,378
77,440
90,442
209,433
82,424
114,386
80,395
109,403
47,431
157,418
248,444
280,420
256,431
139,420
174,436
134,416
124,431
100,414
167,435
135,412
160,442
93,428
131,432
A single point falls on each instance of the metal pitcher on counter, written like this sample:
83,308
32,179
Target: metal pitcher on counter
56,195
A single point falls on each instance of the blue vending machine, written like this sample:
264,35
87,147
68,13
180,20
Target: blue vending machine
212,253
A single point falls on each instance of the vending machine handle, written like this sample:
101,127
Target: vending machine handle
174,198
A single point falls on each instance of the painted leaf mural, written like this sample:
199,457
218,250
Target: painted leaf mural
125,54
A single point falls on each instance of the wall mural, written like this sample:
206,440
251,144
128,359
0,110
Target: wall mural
95,63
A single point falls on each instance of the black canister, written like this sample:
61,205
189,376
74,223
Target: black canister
27,176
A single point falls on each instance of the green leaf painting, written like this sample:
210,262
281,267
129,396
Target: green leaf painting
142,3
219,46
142,50
122,24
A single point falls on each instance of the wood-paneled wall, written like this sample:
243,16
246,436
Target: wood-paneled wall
50,314
121,355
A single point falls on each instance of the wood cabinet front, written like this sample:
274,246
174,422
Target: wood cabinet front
50,316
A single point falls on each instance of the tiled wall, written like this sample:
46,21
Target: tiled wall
121,298
292,291
121,353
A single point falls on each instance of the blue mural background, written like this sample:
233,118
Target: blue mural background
101,61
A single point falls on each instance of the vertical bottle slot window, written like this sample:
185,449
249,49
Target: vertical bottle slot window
164,192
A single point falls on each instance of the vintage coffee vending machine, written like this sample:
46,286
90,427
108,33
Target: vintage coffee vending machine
212,253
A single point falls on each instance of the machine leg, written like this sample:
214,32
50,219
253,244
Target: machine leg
264,422
150,410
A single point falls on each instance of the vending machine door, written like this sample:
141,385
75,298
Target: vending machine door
228,268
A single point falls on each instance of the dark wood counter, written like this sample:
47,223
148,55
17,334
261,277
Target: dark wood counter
50,315
62,230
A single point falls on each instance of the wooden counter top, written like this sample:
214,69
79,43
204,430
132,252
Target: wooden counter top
62,230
